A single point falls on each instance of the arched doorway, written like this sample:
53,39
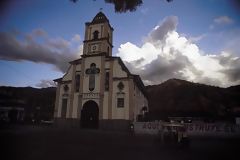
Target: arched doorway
89,115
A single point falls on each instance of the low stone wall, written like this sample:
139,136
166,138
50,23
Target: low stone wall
193,129
213,129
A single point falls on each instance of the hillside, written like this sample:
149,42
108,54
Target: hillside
173,97
36,102
177,97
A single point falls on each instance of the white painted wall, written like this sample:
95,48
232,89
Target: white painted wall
107,65
94,28
78,67
140,101
68,75
61,97
120,113
75,105
105,105
117,70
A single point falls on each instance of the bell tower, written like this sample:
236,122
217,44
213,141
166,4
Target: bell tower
98,36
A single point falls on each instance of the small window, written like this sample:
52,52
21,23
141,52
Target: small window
95,34
77,83
120,102
107,81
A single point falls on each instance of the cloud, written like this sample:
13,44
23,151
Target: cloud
58,43
231,66
76,38
169,24
197,38
39,33
223,20
167,54
45,84
39,48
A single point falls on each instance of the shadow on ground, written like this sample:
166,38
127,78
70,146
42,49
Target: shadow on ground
47,143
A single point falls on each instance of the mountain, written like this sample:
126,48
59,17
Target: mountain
173,97
37,103
176,97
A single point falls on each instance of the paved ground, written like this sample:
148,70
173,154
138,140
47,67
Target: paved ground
33,143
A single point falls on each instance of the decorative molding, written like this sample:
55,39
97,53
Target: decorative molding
91,95
65,88
65,95
120,86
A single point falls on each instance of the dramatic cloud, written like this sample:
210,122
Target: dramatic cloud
231,66
165,54
46,84
39,48
223,20
159,32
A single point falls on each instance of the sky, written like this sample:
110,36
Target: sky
194,40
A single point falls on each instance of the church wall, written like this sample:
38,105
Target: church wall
127,100
101,28
88,62
76,94
131,99
140,102
117,70
64,95
68,75
110,114
120,113
104,47
99,47
68,103
92,29
107,65
105,105
85,100
78,67
75,105
57,102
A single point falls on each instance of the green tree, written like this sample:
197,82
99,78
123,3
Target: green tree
122,6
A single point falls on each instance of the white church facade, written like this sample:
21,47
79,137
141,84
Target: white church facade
98,91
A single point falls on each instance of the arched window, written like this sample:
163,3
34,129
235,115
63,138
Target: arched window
77,82
107,81
95,34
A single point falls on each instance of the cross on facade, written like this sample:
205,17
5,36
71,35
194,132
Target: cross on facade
92,71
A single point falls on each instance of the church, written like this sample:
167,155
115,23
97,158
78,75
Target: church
98,91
